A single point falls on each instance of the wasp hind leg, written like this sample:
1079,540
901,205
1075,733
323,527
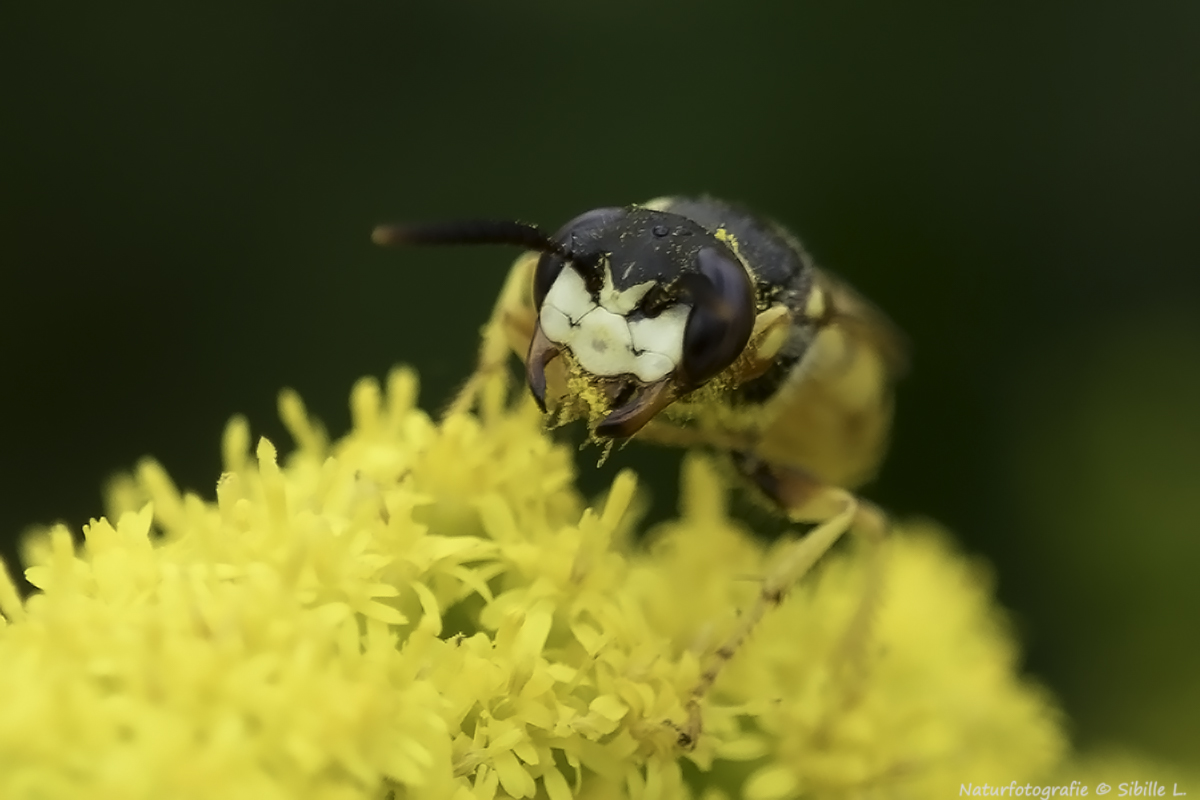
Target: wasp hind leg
509,330
835,510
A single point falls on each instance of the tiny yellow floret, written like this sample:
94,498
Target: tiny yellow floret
423,610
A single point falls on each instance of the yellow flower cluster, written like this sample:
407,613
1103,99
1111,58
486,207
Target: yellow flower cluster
430,611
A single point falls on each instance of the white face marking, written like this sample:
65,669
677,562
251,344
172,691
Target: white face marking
602,339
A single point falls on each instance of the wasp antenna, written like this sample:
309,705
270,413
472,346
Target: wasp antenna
469,231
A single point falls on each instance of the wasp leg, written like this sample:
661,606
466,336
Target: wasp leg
837,510
508,330
790,488
670,435
770,332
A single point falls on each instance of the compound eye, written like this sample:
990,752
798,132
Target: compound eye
722,316
549,266
596,218
572,236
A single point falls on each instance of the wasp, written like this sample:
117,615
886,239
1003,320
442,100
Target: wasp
693,322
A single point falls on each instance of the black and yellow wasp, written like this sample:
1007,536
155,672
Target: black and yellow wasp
692,322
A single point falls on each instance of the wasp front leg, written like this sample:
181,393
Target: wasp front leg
509,330
835,510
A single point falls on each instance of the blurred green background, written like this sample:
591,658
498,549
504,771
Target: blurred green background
187,192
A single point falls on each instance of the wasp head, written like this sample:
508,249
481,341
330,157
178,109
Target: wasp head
647,304
650,305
